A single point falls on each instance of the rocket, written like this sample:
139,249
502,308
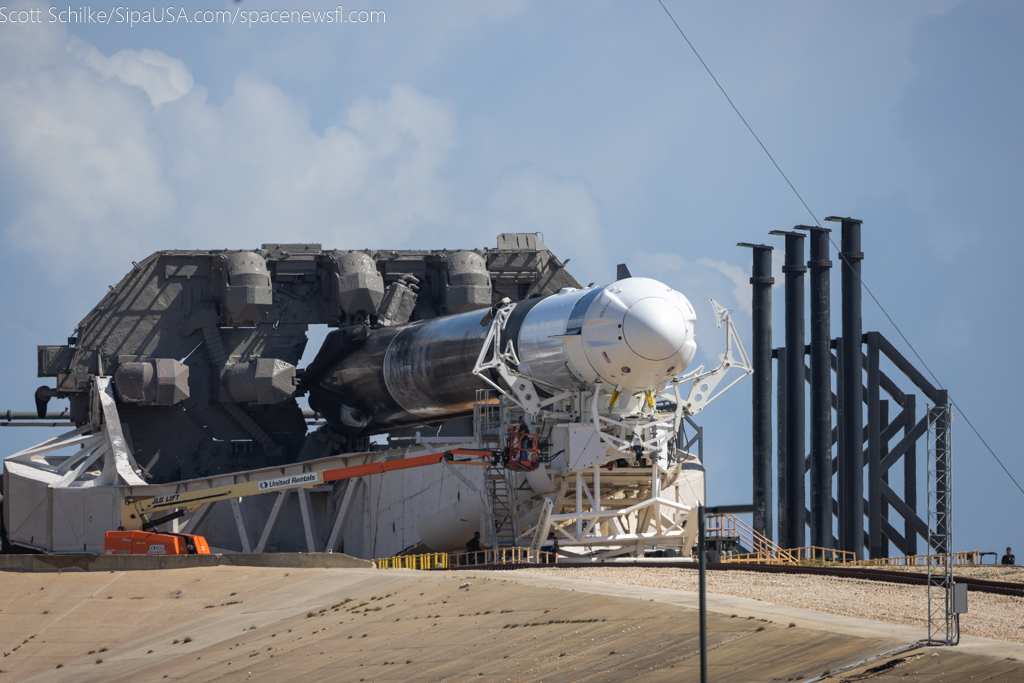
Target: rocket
635,334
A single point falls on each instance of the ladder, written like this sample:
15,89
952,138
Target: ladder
502,507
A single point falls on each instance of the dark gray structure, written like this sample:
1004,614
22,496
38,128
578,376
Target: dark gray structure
864,447
791,527
205,344
761,360
820,378
851,454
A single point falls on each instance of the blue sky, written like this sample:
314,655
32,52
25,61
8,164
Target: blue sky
592,123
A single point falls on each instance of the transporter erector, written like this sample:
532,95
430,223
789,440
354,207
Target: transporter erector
183,386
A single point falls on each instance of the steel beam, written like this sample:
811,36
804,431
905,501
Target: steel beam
271,526
840,464
909,472
875,540
883,450
780,447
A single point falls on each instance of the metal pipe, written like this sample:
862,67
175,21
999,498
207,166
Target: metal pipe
794,268
9,415
761,361
821,387
851,512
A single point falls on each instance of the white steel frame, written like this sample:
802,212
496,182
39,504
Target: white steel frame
649,435
100,440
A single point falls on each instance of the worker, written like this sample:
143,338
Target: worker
550,547
473,548
1008,558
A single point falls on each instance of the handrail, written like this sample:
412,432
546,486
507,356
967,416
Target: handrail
497,556
793,556
815,554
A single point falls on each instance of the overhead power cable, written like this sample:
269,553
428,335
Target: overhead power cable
818,223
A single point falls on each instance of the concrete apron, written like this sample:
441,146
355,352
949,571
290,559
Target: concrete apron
746,607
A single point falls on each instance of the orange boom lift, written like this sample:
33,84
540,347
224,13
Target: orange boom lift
147,540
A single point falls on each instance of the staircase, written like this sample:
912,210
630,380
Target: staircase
501,506
730,530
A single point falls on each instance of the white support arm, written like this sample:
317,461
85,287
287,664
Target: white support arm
702,391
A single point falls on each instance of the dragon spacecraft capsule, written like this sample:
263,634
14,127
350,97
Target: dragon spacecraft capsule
632,335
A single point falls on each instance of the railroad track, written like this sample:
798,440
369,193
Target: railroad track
866,573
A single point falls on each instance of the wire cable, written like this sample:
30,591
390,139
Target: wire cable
818,223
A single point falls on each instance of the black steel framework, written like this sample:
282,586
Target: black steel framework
876,424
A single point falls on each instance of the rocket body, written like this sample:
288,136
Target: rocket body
632,335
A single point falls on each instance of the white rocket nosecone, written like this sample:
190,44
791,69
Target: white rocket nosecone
634,334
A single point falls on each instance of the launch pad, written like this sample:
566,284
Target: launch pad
568,401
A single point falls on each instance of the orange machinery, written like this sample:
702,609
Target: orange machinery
153,543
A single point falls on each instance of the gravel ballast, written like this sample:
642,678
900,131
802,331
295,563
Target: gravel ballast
989,616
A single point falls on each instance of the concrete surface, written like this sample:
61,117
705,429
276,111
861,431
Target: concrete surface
89,562
276,624
745,607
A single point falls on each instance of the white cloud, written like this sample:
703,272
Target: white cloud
564,210
111,158
164,78
84,168
256,171
739,276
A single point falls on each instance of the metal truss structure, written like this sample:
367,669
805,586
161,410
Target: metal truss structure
607,518
943,625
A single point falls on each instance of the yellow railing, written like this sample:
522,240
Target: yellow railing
815,555
427,561
964,558
792,556
499,556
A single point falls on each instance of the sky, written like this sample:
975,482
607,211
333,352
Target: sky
593,123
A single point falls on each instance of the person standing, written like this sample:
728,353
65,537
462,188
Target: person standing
1008,558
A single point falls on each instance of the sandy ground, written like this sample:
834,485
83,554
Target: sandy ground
261,624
